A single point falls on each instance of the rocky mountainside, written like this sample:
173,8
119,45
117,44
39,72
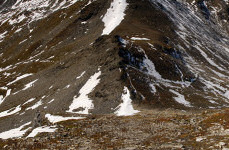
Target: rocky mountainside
72,59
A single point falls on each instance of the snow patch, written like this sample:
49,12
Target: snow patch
151,68
7,94
1,98
41,130
52,100
114,16
139,39
30,100
83,101
39,8
153,88
2,36
14,133
227,94
55,119
6,68
199,139
39,103
126,108
23,41
29,85
80,75
67,86
10,112
180,98
19,78
18,30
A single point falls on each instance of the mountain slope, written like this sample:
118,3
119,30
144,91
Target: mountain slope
74,58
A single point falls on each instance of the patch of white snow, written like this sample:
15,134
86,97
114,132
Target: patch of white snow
55,119
30,100
83,101
29,85
14,133
114,16
139,39
41,130
180,98
39,103
19,78
7,94
10,112
126,108
80,75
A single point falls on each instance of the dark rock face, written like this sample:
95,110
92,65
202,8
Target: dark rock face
170,54
5,4
204,9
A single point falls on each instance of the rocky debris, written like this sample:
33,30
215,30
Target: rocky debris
153,129
37,122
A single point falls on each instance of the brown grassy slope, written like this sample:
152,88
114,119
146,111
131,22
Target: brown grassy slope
154,129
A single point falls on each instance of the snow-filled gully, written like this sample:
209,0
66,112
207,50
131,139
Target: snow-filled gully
83,101
114,16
